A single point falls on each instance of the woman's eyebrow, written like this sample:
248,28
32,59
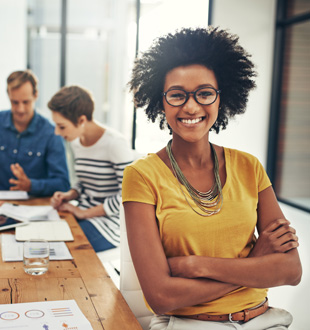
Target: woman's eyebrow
182,87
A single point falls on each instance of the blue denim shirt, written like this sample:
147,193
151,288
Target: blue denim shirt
38,150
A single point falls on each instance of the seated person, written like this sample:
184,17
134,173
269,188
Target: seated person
32,157
192,208
101,154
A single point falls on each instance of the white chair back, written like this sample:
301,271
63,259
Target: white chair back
129,283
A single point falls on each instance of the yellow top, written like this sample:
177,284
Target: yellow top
228,234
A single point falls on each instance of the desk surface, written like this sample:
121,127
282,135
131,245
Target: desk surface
83,279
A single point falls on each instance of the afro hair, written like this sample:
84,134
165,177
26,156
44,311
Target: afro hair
213,48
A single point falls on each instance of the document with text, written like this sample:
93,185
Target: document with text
12,250
47,315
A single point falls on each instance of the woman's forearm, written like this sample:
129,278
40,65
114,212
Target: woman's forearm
96,211
72,194
212,278
172,293
273,261
259,272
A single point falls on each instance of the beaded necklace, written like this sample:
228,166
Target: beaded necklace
209,202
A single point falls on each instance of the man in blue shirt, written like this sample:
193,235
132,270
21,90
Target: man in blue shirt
32,157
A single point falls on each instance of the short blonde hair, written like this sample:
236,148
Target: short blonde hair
19,78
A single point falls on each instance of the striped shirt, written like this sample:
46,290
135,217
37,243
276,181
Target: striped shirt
99,170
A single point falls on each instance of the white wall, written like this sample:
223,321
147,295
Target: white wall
12,41
254,22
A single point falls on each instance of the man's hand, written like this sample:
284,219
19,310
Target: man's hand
22,182
277,237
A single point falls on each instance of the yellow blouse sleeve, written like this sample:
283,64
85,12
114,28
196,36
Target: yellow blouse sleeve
135,188
263,179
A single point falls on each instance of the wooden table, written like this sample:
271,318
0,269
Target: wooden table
83,279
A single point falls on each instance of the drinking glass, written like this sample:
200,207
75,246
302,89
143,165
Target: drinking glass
36,256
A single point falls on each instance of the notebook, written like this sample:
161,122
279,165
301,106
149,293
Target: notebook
48,230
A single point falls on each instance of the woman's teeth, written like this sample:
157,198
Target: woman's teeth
191,121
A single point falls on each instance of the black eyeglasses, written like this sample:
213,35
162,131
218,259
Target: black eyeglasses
203,96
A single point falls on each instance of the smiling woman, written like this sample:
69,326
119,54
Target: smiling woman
191,117
192,208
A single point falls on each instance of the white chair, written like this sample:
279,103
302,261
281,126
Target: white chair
111,260
129,283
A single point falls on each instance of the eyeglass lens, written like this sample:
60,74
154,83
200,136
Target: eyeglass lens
205,96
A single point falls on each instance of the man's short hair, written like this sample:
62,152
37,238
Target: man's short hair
72,102
18,78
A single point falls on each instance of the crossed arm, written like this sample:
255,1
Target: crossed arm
186,281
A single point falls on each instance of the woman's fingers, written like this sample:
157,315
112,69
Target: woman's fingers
274,225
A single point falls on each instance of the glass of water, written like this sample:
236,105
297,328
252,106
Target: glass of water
36,256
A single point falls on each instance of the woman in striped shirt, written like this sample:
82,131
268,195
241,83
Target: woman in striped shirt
100,156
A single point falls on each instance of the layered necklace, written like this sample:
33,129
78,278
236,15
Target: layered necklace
209,202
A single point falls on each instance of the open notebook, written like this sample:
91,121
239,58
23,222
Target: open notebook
48,230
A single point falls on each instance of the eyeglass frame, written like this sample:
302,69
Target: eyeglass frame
218,91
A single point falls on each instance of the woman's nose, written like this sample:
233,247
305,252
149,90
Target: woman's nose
191,106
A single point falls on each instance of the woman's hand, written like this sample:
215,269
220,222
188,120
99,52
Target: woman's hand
76,211
57,199
277,237
60,197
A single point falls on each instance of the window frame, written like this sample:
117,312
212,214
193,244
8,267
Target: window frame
282,22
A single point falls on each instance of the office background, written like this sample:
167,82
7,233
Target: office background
100,48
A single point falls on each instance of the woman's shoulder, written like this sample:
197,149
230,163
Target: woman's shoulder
238,156
149,166
146,163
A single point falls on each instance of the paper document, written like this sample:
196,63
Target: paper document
13,195
13,250
48,230
29,212
47,315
